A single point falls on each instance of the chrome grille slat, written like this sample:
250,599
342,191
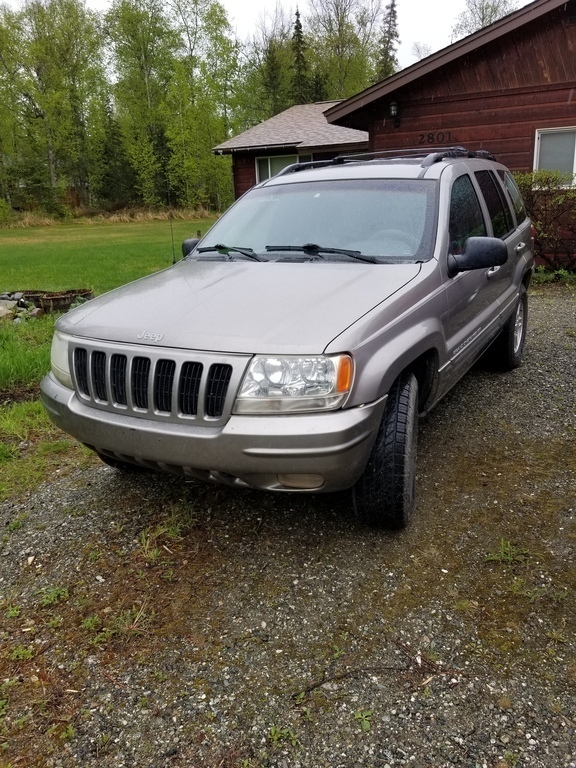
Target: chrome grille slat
160,384
81,370
218,380
189,388
163,385
98,375
118,370
140,379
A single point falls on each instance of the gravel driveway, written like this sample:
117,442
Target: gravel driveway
147,621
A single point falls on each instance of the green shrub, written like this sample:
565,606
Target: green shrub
5,213
550,201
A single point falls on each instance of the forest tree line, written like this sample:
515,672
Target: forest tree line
100,110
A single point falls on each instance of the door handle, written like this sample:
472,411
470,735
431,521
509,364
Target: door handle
520,247
492,271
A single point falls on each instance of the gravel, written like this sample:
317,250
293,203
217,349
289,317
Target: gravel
147,621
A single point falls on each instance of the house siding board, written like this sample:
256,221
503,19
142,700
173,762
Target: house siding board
522,60
244,175
495,97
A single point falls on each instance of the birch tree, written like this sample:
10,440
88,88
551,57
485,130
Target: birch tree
345,39
479,14
143,47
50,78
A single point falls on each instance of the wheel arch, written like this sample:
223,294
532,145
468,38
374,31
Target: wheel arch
425,368
418,350
527,278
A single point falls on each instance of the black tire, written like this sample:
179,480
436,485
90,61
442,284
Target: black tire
123,466
506,352
384,495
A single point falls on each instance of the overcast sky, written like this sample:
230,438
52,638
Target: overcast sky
428,22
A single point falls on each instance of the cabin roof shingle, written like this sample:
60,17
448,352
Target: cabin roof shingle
303,126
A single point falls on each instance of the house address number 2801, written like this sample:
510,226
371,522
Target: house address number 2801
435,137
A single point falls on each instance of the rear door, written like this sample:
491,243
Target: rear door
502,224
520,242
473,306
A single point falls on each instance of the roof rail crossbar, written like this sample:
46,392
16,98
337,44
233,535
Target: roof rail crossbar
295,167
437,155
384,153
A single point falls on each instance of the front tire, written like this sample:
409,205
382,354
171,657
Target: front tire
384,495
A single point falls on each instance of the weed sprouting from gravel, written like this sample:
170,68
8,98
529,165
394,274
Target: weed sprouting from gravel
506,552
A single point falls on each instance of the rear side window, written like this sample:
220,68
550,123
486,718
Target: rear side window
498,208
515,196
466,218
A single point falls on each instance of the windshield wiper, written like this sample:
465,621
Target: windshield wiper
227,249
319,250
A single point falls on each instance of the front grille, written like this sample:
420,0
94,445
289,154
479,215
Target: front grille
155,385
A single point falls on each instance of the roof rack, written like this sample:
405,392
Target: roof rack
430,156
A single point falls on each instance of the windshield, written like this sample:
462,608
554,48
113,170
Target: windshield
386,219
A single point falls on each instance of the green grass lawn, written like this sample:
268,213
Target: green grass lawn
86,254
90,254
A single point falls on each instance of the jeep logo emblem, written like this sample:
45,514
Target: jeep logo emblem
148,336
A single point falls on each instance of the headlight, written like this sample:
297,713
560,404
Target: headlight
59,359
287,384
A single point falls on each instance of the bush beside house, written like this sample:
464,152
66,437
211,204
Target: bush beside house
551,204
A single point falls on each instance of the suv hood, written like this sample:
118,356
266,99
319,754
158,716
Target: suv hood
240,307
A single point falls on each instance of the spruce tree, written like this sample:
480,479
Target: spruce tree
387,63
300,90
272,77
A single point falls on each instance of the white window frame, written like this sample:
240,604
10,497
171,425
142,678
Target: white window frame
293,159
562,129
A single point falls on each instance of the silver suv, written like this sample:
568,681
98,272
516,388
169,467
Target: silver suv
295,345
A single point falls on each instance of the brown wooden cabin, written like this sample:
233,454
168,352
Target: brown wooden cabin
298,134
509,88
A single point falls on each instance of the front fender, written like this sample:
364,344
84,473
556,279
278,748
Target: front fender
378,366
395,335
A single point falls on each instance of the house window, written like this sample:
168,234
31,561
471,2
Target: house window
270,166
556,150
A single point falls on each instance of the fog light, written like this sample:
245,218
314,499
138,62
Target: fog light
301,481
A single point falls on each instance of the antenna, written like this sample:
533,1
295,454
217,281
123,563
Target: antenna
170,217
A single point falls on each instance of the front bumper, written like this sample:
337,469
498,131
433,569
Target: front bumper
247,451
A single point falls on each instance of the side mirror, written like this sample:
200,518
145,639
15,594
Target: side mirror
479,253
189,245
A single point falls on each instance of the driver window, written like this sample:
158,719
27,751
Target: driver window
466,218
